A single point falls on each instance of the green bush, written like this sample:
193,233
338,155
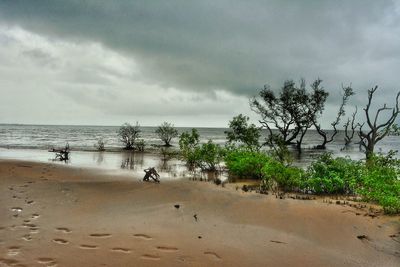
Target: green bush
188,145
286,178
377,181
381,182
208,156
245,163
328,175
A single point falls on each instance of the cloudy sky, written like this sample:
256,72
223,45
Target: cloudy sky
193,63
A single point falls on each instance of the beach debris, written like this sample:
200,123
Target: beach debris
195,217
278,242
61,154
361,237
151,173
177,206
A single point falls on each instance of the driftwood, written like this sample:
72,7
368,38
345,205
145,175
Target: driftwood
61,154
151,173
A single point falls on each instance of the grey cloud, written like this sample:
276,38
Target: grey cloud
204,45
237,46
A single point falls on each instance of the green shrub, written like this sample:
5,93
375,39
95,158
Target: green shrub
330,175
245,163
286,178
188,144
208,156
377,181
381,182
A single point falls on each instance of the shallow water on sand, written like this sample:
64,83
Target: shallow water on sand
31,142
114,162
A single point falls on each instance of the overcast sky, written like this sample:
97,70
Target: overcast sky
193,63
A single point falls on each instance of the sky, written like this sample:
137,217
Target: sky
192,63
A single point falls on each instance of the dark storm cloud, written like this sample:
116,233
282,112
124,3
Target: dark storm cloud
233,45
236,46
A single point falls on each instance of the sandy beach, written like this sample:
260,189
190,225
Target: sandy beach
51,215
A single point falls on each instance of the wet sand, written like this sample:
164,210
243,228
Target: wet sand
51,215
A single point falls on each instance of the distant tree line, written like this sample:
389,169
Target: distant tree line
287,114
294,110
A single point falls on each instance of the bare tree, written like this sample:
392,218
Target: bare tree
377,131
347,92
349,133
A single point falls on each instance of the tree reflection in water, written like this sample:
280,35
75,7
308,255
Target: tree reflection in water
132,160
98,157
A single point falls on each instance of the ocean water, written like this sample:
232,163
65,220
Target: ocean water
31,142
84,138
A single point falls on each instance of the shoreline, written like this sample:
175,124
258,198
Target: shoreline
56,215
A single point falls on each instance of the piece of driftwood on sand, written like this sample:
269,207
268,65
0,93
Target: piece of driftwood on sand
62,154
151,173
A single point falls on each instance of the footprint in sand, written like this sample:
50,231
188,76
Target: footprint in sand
213,255
16,209
84,246
9,262
30,202
47,261
100,235
63,230
25,166
29,225
35,216
60,241
150,257
123,250
13,251
143,236
167,249
34,230
278,242
26,237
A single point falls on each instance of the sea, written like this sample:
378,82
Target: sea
32,142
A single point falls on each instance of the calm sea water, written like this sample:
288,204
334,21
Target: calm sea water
83,137
31,142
